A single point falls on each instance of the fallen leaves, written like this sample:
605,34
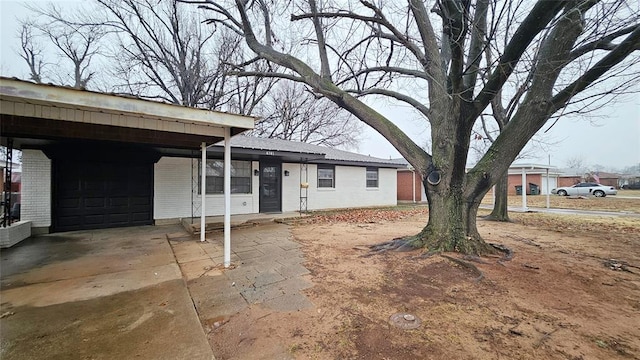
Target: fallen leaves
368,216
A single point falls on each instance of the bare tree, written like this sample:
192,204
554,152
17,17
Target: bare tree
161,50
31,51
293,113
164,52
74,42
577,164
393,49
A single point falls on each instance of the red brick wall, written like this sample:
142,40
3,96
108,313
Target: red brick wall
405,186
516,179
565,181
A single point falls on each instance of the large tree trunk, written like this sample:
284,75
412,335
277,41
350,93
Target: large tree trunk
452,207
500,210
452,225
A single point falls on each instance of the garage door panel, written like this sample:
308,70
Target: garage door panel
92,195
140,217
69,203
119,218
140,200
94,219
94,202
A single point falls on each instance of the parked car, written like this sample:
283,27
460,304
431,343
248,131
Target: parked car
635,186
585,189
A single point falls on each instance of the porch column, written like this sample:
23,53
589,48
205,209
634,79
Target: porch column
227,196
548,190
203,189
524,189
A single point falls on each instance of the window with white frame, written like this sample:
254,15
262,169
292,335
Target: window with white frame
326,176
372,177
240,177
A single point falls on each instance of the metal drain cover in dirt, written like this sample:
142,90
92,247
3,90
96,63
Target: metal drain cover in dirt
405,321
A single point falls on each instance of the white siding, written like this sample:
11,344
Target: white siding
350,189
173,186
36,188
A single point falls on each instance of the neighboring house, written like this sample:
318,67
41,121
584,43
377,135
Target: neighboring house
536,178
410,186
604,178
93,160
16,171
570,178
629,181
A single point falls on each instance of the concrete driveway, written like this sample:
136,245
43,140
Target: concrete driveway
105,294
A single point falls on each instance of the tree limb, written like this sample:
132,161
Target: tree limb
617,55
541,14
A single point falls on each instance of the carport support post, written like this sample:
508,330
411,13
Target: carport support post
203,190
227,196
524,189
548,190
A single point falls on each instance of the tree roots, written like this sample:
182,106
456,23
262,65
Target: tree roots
398,244
466,264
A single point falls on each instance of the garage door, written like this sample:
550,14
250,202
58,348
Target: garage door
94,195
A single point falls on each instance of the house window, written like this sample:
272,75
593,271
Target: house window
326,176
372,177
240,177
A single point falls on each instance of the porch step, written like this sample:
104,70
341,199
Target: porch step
217,225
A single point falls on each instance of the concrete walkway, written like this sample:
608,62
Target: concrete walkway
266,269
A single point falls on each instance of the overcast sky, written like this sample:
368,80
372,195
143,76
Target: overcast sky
610,138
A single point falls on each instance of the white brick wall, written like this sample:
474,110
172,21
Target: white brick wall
36,188
172,192
15,233
172,188
350,189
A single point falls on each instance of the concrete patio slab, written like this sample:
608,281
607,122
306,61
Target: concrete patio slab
104,294
266,269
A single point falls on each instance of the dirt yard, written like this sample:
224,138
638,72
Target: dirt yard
571,291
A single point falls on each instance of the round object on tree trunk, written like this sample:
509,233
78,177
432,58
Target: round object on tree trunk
434,177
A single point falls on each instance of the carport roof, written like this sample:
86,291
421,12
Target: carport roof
42,111
296,151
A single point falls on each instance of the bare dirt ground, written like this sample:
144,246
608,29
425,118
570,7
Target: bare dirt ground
560,297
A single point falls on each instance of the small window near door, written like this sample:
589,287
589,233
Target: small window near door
372,177
326,176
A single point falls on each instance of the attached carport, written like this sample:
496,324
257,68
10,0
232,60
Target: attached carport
529,169
102,148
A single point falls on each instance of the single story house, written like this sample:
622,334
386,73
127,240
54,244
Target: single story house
93,160
411,189
273,175
544,178
569,178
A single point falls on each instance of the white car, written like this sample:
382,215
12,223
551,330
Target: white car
586,189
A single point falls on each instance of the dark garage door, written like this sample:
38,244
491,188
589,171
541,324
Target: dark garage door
94,195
